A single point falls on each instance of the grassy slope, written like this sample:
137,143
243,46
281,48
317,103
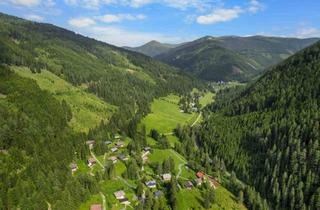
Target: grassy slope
192,199
160,155
165,115
206,99
88,110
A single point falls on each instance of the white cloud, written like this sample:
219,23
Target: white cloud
255,6
308,32
34,17
139,3
27,3
90,4
228,14
112,18
179,4
81,22
220,15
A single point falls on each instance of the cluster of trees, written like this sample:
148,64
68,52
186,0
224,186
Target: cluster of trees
162,140
187,99
167,166
269,134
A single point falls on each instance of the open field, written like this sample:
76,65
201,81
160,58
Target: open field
165,115
192,199
88,110
207,99
159,155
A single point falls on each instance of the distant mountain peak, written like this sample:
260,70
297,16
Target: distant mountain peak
152,48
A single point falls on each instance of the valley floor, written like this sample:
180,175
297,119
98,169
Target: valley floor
165,115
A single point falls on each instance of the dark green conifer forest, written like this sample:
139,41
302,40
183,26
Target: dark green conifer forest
269,133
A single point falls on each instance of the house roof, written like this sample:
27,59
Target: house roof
188,184
90,142
120,193
200,174
91,160
147,148
96,207
151,183
123,200
113,158
73,165
166,176
122,156
157,193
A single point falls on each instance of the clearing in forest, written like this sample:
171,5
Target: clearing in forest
87,109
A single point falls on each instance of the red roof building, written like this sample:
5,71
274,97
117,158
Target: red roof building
96,207
200,174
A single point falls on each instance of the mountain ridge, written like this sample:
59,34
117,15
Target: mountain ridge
152,48
250,55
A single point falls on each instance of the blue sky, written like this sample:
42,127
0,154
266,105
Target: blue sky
135,22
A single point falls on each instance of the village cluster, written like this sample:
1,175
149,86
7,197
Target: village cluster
116,156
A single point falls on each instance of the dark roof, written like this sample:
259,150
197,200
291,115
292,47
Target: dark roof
188,184
123,200
157,193
151,183
147,148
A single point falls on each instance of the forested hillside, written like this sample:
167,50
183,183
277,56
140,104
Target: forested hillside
107,71
40,113
36,148
269,133
232,57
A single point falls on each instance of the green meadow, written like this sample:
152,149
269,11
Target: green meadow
192,199
207,99
88,110
165,115
159,155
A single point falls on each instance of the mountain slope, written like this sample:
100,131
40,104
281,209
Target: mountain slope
152,48
272,133
87,109
108,71
36,147
232,58
40,126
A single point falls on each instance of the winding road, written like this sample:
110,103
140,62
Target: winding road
98,161
196,121
104,202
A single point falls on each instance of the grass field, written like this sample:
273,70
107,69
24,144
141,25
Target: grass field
192,199
159,155
165,115
206,99
87,109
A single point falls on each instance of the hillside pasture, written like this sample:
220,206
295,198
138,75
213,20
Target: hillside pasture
88,110
165,115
